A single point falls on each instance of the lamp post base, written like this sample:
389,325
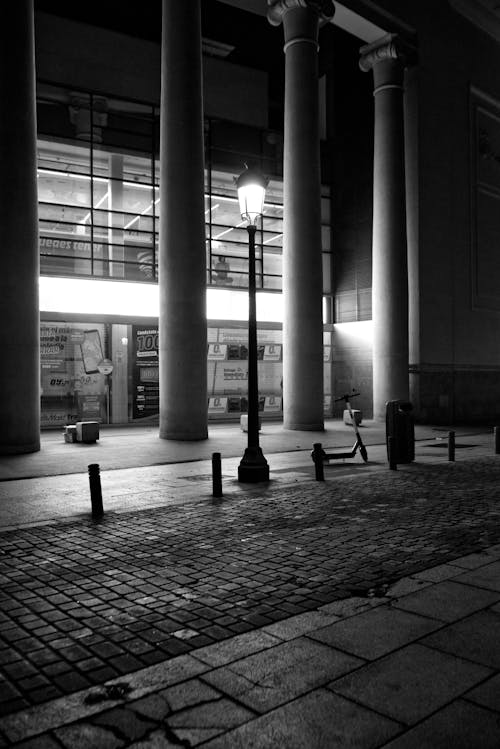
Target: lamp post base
253,467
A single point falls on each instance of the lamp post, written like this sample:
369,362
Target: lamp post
251,186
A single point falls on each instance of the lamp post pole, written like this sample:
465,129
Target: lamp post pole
253,466
253,385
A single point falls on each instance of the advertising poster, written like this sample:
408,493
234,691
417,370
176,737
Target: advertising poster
230,335
228,370
90,407
272,352
272,404
72,387
145,374
217,351
217,405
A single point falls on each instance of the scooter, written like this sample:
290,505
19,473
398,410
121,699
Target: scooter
319,454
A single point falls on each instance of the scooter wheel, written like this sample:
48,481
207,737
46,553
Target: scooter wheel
364,454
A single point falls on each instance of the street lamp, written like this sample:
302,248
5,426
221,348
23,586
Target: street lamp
251,186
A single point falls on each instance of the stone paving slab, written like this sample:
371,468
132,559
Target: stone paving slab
377,632
487,577
439,573
448,600
271,678
301,723
477,638
478,559
301,624
459,725
237,647
411,683
487,694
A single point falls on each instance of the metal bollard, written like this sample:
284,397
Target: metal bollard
391,445
216,475
318,461
95,491
496,431
451,445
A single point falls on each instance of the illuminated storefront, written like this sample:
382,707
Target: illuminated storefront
99,223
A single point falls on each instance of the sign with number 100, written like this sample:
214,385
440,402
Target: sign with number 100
147,342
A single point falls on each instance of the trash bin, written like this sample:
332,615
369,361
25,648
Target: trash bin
400,425
87,431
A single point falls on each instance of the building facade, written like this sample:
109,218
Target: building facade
377,127
99,212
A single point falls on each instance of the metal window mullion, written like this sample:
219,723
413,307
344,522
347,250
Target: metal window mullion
261,249
91,100
208,160
153,186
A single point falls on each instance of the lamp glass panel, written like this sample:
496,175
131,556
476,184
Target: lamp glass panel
251,199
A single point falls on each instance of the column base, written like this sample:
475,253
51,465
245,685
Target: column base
297,427
32,447
253,467
185,436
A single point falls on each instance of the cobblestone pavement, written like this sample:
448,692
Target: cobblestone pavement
85,602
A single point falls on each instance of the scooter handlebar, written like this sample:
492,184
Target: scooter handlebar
346,397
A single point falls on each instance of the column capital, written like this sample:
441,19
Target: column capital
278,8
389,47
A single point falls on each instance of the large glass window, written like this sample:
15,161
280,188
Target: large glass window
98,217
227,245
97,196
99,201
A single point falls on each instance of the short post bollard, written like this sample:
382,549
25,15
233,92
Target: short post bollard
496,431
318,461
391,447
216,475
451,446
95,491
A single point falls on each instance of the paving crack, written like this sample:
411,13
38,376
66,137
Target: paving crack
108,692
163,731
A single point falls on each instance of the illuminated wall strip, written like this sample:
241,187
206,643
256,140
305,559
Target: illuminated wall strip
80,296
361,331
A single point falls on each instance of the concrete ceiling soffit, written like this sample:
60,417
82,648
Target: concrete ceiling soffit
344,18
485,14
259,7
357,25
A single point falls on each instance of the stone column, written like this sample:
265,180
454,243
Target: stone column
19,298
387,59
302,262
182,273
412,230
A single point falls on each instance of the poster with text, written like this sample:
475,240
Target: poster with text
72,388
145,373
